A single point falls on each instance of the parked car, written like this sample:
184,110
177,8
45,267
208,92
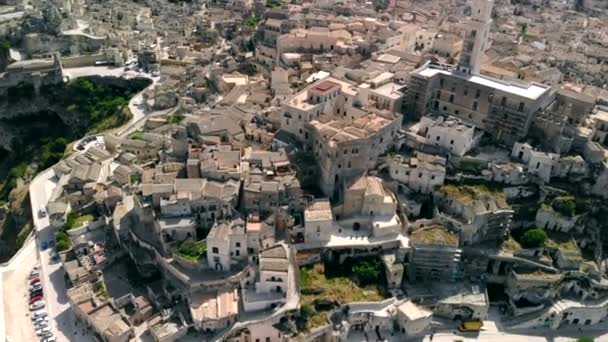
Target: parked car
36,293
50,339
35,299
34,281
36,287
44,245
41,324
37,305
39,314
34,274
43,331
40,319
42,213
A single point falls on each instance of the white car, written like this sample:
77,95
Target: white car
39,314
50,339
43,331
40,325
41,321
37,305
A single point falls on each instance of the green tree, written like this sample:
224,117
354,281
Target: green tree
368,272
62,241
585,339
534,238
565,206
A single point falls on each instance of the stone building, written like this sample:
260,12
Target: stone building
505,109
477,213
422,173
434,255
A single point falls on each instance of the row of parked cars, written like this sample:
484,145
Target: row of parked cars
38,313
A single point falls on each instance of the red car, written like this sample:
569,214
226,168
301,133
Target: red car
36,294
35,299
34,281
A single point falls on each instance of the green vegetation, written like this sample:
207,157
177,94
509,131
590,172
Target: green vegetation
252,21
101,289
534,238
137,135
94,104
511,245
338,284
175,118
62,241
585,339
471,166
568,205
565,205
74,220
274,3
368,271
192,250
468,194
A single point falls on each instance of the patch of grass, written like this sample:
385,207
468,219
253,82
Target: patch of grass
137,135
175,118
340,289
317,285
192,250
74,220
511,245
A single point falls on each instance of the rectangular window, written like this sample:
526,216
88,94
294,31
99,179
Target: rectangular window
238,244
475,105
215,250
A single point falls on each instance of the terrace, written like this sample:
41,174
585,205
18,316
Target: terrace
435,235
468,194
318,284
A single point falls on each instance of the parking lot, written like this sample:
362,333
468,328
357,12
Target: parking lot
16,296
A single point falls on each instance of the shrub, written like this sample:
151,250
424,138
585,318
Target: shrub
534,238
368,272
565,206
62,241
175,118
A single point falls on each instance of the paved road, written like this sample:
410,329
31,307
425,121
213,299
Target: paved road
52,274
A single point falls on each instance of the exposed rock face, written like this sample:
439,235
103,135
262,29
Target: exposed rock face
47,21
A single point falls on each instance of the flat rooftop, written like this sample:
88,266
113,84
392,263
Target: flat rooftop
318,211
413,311
435,235
340,131
325,86
214,305
529,91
